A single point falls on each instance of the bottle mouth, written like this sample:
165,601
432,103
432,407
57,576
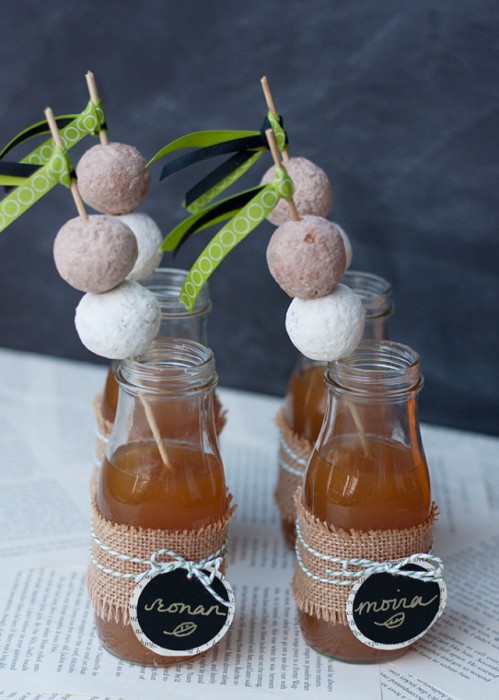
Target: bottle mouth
377,368
374,291
165,283
169,367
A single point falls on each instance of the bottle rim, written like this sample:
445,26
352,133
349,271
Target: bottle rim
377,368
374,291
165,283
169,367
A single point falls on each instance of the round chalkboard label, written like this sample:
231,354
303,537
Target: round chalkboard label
174,614
389,611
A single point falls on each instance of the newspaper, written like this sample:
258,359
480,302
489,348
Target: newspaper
48,645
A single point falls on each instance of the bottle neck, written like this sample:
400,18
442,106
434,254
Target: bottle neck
376,295
166,394
377,370
373,395
169,369
176,321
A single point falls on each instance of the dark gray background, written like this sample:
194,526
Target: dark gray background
397,100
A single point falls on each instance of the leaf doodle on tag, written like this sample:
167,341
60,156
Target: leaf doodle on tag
393,622
184,629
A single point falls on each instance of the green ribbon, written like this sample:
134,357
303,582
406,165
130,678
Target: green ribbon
204,139
54,163
214,214
228,180
202,202
247,219
56,170
201,139
88,122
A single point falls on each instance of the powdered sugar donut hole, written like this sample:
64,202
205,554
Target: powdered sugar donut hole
149,239
119,323
327,328
312,194
347,244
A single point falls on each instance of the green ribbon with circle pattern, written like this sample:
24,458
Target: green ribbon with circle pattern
56,171
247,219
54,164
87,123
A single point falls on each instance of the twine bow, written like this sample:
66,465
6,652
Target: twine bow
194,569
212,563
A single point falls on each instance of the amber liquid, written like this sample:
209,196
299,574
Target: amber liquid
304,406
387,488
136,488
305,402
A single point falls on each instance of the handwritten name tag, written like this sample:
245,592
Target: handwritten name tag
390,611
173,614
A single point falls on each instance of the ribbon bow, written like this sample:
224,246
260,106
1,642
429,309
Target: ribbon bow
247,147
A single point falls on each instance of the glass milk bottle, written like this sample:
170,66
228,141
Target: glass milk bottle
161,494
306,395
367,476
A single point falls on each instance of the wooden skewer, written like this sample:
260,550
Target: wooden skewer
155,430
272,109
54,130
94,96
277,160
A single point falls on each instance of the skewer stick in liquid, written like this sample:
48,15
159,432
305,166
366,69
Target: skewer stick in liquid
155,430
54,130
277,160
272,108
94,96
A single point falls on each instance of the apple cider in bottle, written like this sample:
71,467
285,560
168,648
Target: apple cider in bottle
162,478
367,474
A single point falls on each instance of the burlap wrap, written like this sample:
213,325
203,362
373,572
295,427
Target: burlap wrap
103,429
294,453
109,594
327,601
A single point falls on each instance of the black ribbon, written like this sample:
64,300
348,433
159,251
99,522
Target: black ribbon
238,201
243,148
216,176
23,170
36,130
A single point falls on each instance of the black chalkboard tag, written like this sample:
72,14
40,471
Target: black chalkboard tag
389,611
172,614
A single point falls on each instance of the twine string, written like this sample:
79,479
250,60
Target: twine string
196,569
366,567
292,455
